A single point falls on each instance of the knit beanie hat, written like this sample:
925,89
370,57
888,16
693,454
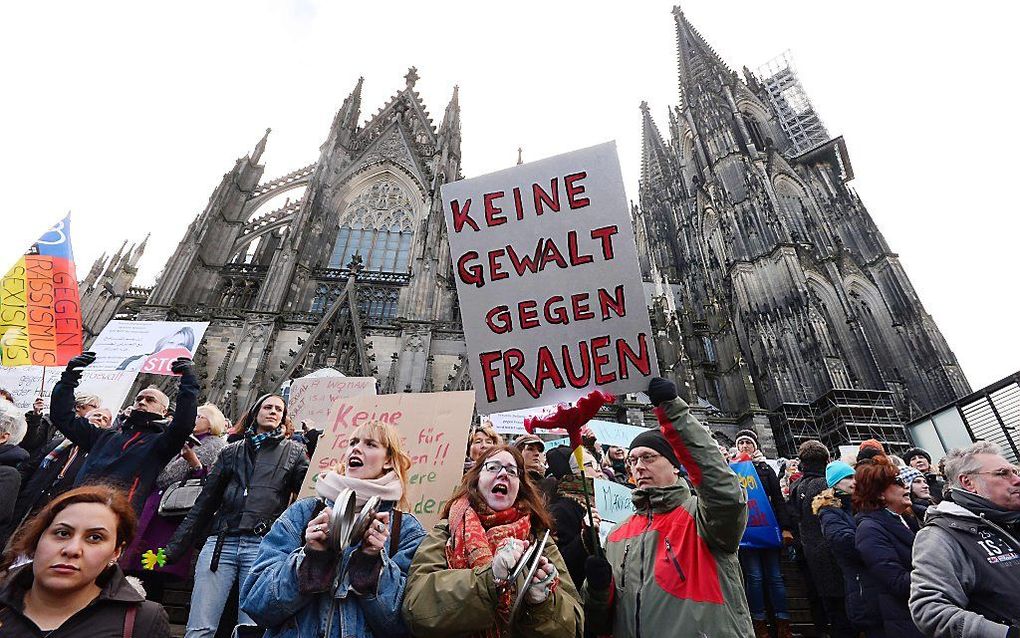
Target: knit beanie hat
749,435
916,451
908,475
873,444
655,440
836,472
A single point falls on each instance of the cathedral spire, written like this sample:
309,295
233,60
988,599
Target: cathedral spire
260,148
449,130
653,149
697,61
351,109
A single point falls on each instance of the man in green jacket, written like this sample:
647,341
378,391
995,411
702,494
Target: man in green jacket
671,569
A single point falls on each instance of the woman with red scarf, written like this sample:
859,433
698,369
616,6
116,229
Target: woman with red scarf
458,582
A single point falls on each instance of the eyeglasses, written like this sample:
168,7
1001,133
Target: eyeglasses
1002,472
494,467
643,458
899,481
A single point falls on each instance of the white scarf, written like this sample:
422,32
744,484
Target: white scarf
387,487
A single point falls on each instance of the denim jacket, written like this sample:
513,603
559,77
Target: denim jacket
276,593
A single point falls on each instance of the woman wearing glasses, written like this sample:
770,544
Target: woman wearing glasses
885,538
459,580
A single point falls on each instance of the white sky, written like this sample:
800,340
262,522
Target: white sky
129,113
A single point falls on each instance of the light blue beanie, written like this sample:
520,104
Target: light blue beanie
836,472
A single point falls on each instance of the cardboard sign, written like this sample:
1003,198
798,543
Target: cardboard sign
40,312
146,346
550,289
434,428
24,382
316,398
762,531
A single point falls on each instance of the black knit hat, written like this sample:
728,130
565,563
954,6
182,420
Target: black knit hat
915,451
655,440
748,434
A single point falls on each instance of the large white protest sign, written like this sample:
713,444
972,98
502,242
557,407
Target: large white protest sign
434,426
550,290
512,422
146,346
606,433
25,382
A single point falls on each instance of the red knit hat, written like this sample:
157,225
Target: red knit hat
873,444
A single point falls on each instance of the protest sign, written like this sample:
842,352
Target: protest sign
40,312
762,531
434,427
548,280
512,422
24,383
614,505
146,346
316,399
606,433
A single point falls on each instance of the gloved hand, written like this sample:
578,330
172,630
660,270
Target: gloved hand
506,558
660,390
541,584
79,363
182,366
598,572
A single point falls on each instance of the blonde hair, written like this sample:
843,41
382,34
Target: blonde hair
388,436
81,400
217,422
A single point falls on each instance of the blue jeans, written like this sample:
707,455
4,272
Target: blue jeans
761,570
209,596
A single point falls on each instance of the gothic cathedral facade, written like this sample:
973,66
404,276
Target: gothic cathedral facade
777,303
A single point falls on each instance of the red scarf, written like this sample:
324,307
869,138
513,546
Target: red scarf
476,536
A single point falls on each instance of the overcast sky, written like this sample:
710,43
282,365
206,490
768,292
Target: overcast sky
128,114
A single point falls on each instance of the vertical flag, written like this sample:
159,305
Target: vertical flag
40,312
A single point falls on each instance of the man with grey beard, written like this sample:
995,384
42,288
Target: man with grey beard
966,559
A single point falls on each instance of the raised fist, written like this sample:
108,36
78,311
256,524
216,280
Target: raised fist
598,572
79,363
181,366
660,390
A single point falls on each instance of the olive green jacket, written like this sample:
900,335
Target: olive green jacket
675,567
440,602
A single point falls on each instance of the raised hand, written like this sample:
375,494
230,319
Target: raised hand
82,361
182,366
660,390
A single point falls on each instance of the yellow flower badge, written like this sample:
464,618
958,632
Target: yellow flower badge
152,559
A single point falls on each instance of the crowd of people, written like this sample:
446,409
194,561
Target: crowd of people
99,511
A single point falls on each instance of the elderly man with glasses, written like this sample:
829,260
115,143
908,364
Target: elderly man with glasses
671,568
966,578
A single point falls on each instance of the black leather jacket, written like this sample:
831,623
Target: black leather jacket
244,493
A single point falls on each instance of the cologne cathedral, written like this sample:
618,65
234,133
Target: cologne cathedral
776,301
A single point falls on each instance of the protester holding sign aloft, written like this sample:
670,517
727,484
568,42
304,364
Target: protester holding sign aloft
307,582
671,569
462,581
760,560
249,487
133,454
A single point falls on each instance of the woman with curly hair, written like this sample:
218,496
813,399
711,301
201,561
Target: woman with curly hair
459,580
885,539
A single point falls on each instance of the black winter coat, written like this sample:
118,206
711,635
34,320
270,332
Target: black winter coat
770,482
11,456
102,618
40,431
44,483
568,516
246,491
825,572
839,527
134,454
885,545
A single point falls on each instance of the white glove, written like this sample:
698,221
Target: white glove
506,559
539,591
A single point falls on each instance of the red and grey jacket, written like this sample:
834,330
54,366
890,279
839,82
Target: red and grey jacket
675,567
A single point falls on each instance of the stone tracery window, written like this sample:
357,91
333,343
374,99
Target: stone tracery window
378,225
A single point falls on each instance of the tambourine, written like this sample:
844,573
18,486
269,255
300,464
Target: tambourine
530,561
347,526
